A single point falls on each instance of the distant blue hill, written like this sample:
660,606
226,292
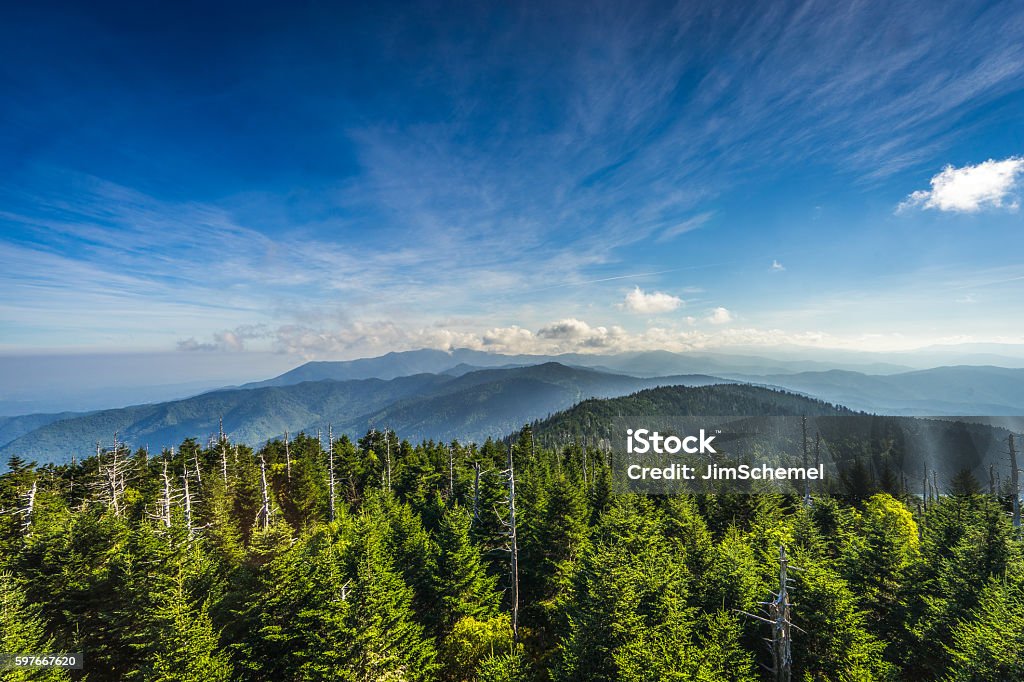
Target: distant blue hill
471,406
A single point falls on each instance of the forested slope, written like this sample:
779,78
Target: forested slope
222,562
473,406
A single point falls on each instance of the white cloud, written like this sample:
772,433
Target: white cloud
568,335
969,189
639,301
228,339
572,334
777,266
720,316
512,340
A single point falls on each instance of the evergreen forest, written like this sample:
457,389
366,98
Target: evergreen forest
326,558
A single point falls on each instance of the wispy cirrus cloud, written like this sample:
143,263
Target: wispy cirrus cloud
511,175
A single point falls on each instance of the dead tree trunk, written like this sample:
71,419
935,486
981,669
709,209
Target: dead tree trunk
112,473
330,468
476,492
781,632
187,499
223,456
387,439
513,544
287,457
777,615
112,476
924,488
1014,482
265,508
165,511
451,473
28,509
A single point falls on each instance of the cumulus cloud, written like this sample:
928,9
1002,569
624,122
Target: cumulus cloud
512,339
639,301
720,316
969,189
567,335
573,334
227,340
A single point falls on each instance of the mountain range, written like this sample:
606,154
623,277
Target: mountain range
470,406
470,395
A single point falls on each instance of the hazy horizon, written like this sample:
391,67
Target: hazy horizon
48,382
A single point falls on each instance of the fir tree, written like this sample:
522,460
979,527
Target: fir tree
22,630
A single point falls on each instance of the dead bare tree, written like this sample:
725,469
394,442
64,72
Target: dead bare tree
778,616
513,541
28,508
584,467
195,460
165,511
1014,481
924,488
330,468
476,492
113,470
264,512
781,632
24,509
387,459
223,453
451,473
187,500
287,456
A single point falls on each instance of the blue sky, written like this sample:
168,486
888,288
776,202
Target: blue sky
333,181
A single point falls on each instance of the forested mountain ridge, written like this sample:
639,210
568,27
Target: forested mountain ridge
379,559
954,390
593,416
12,428
636,363
493,400
867,384
250,416
469,406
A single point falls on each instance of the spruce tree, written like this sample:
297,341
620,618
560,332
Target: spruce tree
989,645
388,643
461,581
22,631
